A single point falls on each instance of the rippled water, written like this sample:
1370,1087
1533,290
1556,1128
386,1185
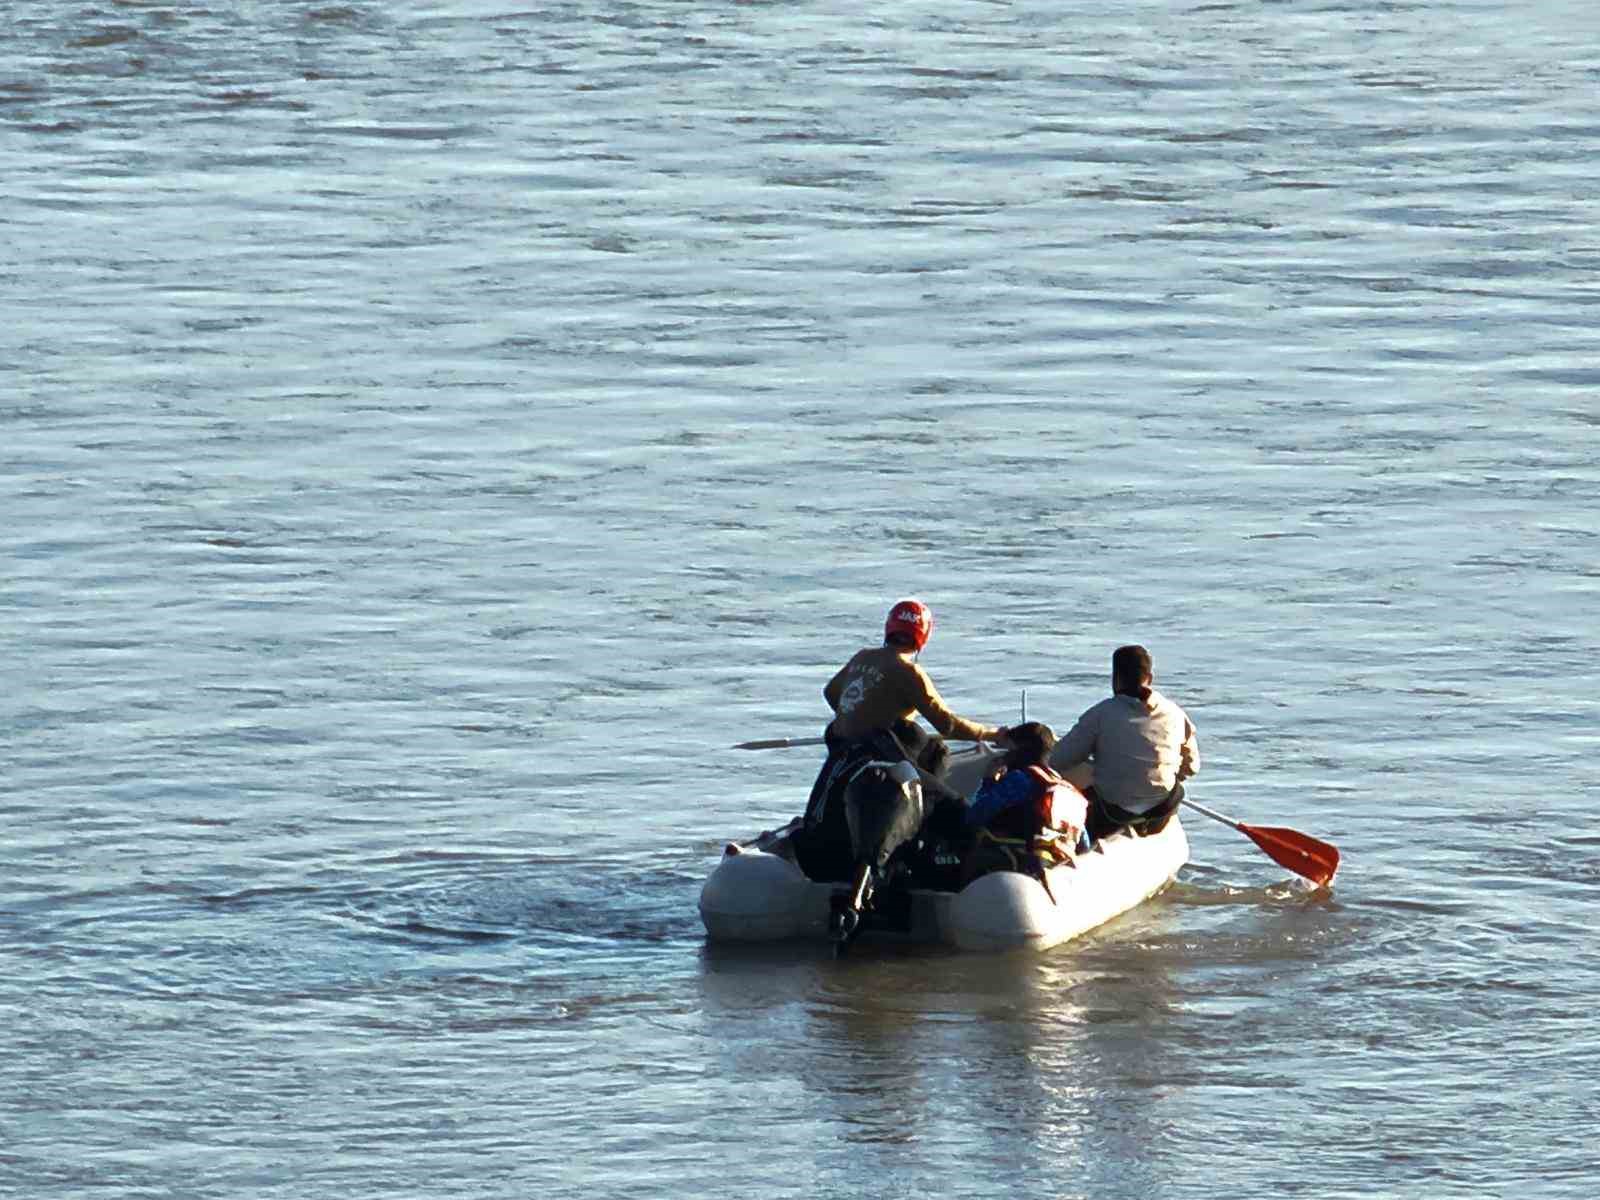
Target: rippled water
431,434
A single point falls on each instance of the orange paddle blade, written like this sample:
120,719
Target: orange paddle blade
1302,854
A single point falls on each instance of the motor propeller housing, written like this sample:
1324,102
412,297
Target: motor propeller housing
884,809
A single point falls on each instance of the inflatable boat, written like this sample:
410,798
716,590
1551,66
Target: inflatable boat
757,892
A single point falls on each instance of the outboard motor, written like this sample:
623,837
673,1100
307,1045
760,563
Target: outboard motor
884,808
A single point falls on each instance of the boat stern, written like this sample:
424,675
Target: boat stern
753,896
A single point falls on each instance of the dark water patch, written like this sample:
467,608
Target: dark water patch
1145,192
251,897
429,931
336,14
1531,862
386,795
797,177
551,903
404,133
65,126
205,822
1247,134
611,920
821,137
110,36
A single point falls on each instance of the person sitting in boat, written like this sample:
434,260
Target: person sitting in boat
1131,752
1025,817
874,697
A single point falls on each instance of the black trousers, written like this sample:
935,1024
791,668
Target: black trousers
1106,818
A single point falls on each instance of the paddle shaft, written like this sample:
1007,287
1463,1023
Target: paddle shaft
1213,814
781,743
785,743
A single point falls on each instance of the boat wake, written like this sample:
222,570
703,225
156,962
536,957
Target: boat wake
1285,893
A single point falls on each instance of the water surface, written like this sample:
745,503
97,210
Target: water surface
431,434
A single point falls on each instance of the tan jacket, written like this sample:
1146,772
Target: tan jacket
1141,750
881,685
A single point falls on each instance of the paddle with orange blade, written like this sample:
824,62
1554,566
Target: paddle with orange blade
1302,854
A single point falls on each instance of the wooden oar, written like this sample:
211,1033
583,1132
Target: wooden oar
1302,854
781,743
785,743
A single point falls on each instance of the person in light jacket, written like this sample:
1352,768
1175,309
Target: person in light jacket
1131,752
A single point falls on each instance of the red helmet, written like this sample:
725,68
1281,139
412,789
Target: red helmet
911,619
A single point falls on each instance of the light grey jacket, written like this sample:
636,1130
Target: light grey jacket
1140,750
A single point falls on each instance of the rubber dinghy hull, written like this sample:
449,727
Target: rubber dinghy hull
754,895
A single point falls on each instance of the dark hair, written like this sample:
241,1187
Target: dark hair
1031,743
1131,670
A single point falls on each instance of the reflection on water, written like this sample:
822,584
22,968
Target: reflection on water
1030,1066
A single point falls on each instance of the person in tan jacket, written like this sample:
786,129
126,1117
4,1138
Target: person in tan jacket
874,697
883,685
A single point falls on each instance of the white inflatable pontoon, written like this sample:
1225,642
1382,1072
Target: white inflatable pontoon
756,893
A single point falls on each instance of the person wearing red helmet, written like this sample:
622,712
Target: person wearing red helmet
881,685
874,697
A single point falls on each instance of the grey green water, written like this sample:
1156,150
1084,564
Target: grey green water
432,433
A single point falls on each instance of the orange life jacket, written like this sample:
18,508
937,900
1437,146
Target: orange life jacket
1060,808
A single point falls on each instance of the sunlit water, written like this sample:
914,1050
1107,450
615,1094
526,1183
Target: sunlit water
430,435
